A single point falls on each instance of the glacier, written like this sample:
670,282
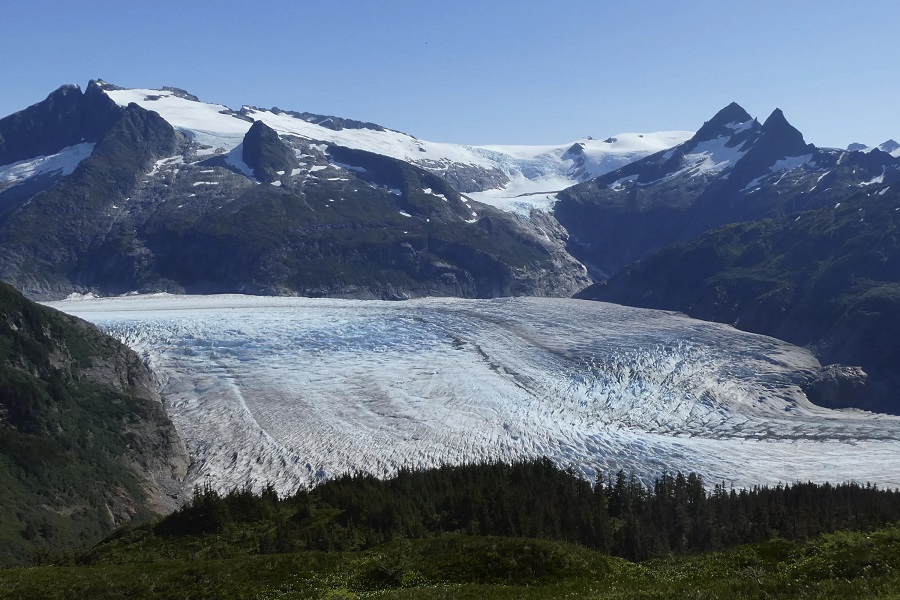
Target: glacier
291,391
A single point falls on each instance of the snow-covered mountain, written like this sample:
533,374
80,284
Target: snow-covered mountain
291,390
99,193
510,177
804,267
733,169
890,146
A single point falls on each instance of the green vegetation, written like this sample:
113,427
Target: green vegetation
618,516
403,538
843,565
73,428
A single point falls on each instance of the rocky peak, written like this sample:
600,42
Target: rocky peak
776,130
718,126
577,149
102,86
65,118
266,154
889,146
778,139
69,91
180,93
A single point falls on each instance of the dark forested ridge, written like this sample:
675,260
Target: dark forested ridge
458,532
828,279
84,442
616,515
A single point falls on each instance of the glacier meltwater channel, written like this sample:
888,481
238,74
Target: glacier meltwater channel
292,390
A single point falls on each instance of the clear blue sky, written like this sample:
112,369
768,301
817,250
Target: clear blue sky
478,72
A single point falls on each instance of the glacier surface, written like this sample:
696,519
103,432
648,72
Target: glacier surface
294,390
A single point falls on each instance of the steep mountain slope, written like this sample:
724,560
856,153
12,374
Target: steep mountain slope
733,169
829,279
223,203
66,118
84,442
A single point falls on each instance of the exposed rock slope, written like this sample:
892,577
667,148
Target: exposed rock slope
245,208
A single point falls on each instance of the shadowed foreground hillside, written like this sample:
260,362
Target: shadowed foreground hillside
475,532
85,445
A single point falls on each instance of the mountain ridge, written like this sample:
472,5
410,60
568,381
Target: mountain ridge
828,279
85,444
727,172
116,224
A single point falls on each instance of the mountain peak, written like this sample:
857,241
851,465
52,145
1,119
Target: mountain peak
733,113
69,90
889,146
265,153
719,124
777,127
777,140
180,93
776,119
65,118
68,87
103,86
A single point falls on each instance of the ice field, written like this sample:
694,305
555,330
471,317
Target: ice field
292,390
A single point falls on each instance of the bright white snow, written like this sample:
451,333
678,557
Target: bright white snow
784,166
291,390
790,163
204,123
875,180
537,172
712,156
63,162
532,170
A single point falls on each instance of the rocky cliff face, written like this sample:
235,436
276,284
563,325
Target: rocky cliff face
266,154
86,444
66,117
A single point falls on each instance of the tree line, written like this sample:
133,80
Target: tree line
616,514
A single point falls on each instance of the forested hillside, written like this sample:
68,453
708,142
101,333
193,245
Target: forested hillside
618,515
459,532
85,445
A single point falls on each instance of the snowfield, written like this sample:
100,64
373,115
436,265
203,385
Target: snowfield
63,162
532,170
294,390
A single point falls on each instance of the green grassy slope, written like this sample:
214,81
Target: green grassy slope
841,565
